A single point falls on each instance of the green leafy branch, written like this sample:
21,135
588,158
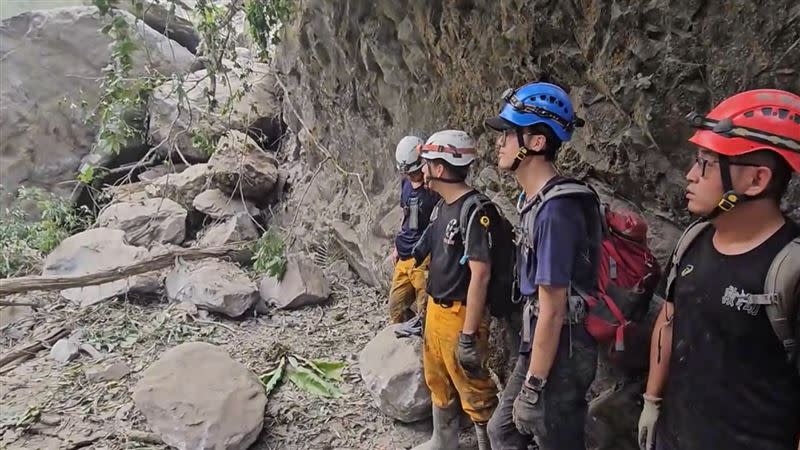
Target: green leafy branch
314,376
269,255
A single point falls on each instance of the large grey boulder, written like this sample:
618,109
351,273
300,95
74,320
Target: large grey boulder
219,205
172,126
53,59
214,285
155,220
347,238
181,187
391,368
196,397
233,229
302,284
240,167
94,251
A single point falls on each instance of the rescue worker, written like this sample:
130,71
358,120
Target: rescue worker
456,332
417,201
724,370
558,248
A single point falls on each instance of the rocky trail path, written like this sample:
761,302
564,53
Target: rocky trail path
87,402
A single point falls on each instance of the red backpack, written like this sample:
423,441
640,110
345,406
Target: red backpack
628,276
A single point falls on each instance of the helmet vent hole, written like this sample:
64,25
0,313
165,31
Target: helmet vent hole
749,114
766,111
552,99
543,97
797,119
783,113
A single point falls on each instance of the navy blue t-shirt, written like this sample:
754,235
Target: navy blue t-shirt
421,200
561,249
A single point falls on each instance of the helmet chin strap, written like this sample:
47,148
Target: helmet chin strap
523,151
730,198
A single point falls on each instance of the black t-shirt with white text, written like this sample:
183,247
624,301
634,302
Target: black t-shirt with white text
729,385
447,279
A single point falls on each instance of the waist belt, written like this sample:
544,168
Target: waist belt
576,313
447,303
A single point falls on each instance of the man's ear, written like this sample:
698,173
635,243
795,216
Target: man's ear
758,180
536,142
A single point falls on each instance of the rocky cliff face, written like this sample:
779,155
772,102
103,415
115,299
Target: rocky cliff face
361,74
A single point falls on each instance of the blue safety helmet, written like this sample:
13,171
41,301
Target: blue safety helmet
537,103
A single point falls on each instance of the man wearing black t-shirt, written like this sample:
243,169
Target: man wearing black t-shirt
720,378
456,333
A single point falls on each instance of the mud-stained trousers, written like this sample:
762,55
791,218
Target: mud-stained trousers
443,374
564,396
408,288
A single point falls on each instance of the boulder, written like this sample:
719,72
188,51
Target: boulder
155,220
214,285
161,170
346,237
174,127
389,224
196,397
391,368
181,187
129,193
113,372
53,59
302,284
65,350
234,229
172,19
219,205
239,164
93,251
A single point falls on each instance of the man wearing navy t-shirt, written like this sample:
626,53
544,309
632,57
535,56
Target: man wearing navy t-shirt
557,249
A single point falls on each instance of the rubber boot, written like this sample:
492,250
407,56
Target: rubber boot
445,429
483,437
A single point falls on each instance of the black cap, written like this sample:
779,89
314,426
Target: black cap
498,123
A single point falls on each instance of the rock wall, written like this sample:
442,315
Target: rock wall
361,74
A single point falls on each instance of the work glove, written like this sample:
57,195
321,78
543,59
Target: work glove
412,327
469,357
528,412
647,422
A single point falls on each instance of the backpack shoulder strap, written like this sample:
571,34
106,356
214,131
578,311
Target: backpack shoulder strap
435,212
472,205
562,189
685,241
782,294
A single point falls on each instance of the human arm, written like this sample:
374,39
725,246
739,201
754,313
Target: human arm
660,354
476,295
552,311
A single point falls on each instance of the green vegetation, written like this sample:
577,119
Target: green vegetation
25,242
269,255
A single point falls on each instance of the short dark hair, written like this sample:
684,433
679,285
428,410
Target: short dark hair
781,172
458,173
551,142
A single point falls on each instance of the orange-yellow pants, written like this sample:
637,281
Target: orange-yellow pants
408,288
443,374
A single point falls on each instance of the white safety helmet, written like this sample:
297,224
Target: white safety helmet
453,146
406,154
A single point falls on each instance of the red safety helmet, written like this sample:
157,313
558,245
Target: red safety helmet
761,119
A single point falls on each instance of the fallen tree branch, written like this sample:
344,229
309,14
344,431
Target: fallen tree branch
155,262
142,437
5,303
30,349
